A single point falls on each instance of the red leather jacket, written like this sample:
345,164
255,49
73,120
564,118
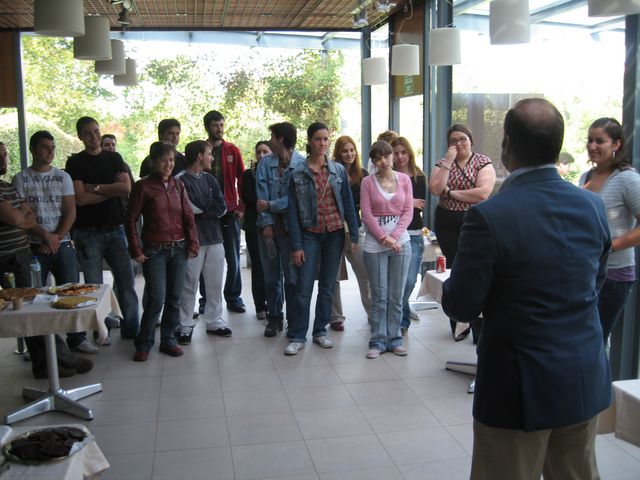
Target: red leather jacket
166,212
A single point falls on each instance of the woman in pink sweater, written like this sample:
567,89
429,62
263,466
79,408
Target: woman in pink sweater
386,201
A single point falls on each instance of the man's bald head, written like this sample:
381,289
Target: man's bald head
534,131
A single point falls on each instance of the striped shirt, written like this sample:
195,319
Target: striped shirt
621,196
12,239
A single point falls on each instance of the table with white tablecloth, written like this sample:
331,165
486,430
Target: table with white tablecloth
42,319
623,416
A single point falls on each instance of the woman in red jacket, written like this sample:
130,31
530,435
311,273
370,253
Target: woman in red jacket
169,237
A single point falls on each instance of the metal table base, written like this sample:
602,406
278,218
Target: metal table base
464,367
55,398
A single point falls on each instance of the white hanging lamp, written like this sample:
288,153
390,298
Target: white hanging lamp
610,8
96,43
130,78
59,18
509,22
444,46
374,71
405,59
115,66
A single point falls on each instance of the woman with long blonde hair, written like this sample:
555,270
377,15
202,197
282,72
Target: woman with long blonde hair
346,153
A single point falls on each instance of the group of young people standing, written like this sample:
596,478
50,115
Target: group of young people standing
312,213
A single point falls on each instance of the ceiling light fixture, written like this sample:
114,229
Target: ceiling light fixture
444,46
96,42
610,8
509,22
64,18
130,78
405,57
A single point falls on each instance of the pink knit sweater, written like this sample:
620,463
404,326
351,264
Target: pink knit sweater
373,205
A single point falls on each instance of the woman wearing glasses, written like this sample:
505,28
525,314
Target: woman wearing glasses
461,179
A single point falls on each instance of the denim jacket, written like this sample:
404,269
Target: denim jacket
303,201
272,187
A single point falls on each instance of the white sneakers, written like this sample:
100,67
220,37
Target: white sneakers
323,341
293,348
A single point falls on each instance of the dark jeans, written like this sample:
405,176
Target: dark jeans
63,265
231,241
93,246
611,302
257,276
164,272
280,277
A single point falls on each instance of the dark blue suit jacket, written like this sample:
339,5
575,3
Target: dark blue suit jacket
532,260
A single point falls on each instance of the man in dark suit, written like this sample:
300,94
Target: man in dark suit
531,260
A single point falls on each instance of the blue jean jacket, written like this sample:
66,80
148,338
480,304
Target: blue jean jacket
272,187
303,201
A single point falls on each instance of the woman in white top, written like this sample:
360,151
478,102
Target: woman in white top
386,201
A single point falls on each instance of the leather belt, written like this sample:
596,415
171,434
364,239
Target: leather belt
165,245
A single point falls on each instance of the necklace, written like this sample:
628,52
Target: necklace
387,183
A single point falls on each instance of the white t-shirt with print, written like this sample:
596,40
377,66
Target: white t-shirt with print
43,192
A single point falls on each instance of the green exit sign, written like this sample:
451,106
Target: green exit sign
408,84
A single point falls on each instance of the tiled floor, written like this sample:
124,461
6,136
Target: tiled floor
237,408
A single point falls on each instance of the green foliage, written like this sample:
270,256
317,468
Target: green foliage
252,94
58,87
65,144
306,89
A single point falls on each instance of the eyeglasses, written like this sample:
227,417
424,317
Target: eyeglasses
454,141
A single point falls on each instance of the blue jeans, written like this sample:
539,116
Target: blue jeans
257,276
63,265
164,273
321,250
94,246
611,302
274,269
417,247
387,278
231,241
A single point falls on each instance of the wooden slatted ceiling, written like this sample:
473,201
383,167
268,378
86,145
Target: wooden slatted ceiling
212,14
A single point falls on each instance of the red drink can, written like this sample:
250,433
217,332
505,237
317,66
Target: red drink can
441,264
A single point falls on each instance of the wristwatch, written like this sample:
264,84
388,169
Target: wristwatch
96,189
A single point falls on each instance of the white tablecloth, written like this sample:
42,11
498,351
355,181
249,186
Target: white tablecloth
432,284
431,250
83,465
40,319
623,416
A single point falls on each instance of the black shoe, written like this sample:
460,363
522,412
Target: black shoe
195,315
238,307
201,309
274,325
221,332
183,335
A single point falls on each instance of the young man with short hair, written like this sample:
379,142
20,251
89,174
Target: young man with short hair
49,193
99,179
208,206
227,168
169,132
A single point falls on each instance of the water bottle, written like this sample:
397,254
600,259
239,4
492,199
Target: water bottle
36,273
